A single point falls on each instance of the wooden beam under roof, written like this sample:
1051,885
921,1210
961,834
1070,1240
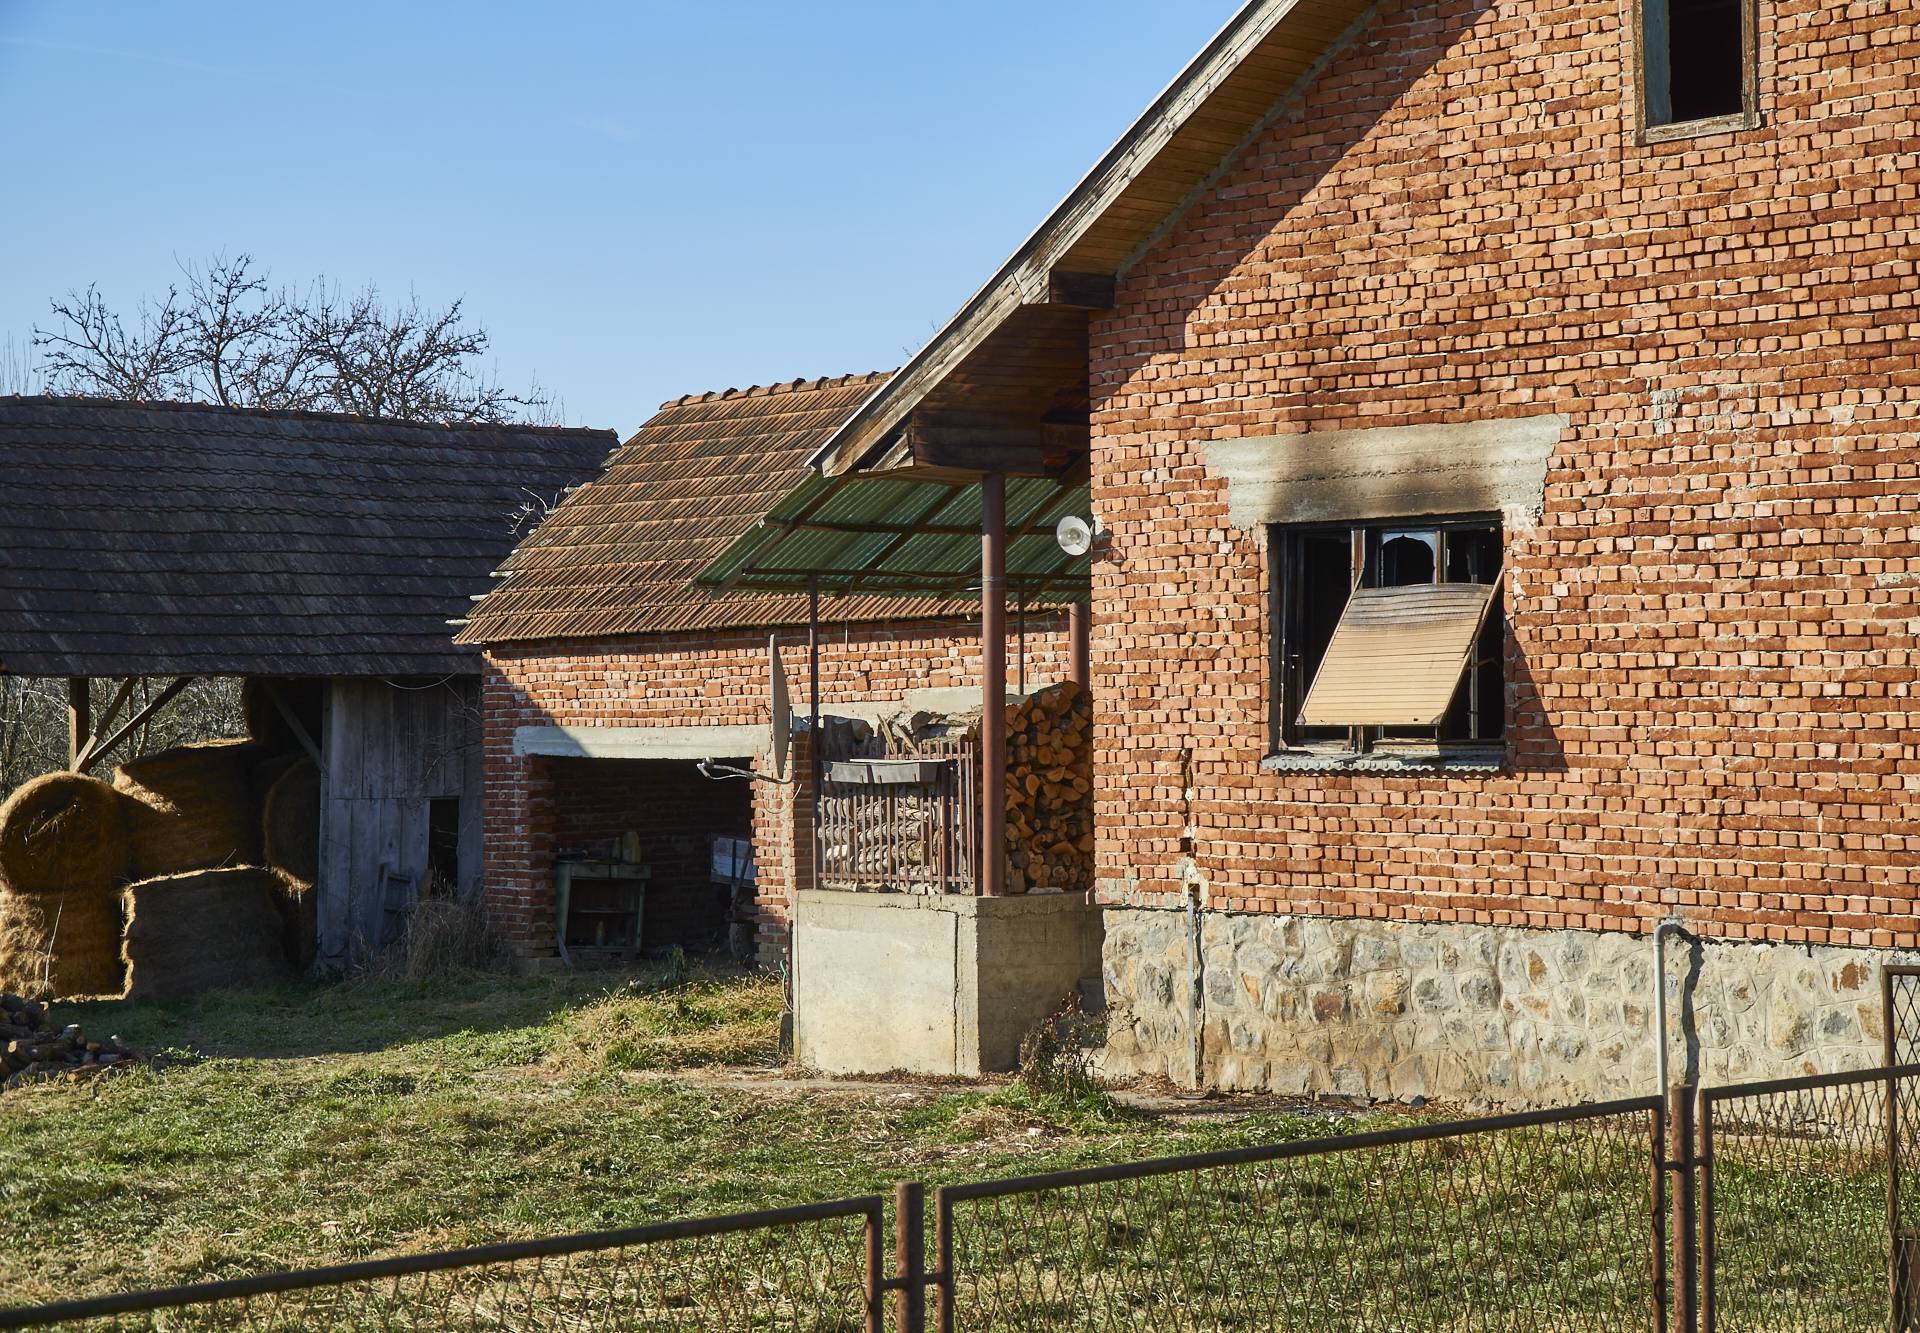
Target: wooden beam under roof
1019,449
1083,291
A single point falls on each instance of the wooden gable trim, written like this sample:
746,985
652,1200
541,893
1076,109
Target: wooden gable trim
1029,277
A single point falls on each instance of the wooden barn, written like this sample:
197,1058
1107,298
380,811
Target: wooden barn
318,558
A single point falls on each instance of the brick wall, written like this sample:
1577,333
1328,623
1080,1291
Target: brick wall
717,679
1713,618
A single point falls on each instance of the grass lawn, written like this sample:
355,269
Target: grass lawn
314,1124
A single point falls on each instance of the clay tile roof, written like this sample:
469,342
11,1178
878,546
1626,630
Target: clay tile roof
181,539
618,557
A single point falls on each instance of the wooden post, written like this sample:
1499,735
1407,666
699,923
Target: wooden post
1079,632
79,719
993,674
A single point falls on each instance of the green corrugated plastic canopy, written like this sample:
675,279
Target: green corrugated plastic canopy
876,535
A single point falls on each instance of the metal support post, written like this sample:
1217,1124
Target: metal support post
1683,1165
910,1257
993,672
1079,632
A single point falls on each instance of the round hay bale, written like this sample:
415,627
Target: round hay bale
206,930
62,944
290,822
62,832
299,919
195,808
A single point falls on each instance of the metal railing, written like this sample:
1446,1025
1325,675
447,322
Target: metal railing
902,837
1448,1226
813,1268
1800,1201
1758,1206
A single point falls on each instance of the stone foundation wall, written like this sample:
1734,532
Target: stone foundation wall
1499,1015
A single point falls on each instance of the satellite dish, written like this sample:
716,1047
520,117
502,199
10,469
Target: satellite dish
782,709
1075,534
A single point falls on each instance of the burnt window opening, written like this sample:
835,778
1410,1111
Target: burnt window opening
1427,640
1694,59
443,847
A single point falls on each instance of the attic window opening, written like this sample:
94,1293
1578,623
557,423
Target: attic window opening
1387,636
1696,61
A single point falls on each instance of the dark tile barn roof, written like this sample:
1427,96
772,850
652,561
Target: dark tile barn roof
618,556
172,539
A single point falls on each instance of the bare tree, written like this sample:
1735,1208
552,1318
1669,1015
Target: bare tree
224,335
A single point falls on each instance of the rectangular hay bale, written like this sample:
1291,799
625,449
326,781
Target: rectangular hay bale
207,930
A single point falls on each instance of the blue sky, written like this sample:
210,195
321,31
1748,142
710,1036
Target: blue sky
639,200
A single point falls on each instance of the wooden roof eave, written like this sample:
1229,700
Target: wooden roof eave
1192,132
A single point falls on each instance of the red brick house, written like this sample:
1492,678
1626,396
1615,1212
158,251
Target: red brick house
610,677
1500,414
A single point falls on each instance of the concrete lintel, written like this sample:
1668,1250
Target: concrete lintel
1340,476
954,904
724,742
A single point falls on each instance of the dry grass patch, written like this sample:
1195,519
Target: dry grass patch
708,1021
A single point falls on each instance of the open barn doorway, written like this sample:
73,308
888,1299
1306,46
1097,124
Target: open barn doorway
651,855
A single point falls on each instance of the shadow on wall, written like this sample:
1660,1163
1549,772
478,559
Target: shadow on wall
1533,746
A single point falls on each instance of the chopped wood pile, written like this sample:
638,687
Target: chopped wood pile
32,1051
1050,790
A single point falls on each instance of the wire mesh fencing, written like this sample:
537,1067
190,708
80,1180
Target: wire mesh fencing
1801,1201
1900,1014
801,1270
1794,1204
1546,1221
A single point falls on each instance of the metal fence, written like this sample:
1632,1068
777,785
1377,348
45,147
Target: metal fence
1428,1227
916,832
1760,1206
813,1268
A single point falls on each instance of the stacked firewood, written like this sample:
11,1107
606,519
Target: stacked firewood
876,835
33,1051
1050,789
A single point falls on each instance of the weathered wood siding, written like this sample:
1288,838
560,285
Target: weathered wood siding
390,750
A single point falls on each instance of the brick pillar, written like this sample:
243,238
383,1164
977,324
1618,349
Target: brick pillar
517,842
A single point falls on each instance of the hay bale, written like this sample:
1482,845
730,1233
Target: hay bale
299,919
290,822
62,944
62,832
207,930
196,808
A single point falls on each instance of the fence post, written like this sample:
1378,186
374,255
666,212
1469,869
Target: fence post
910,1257
1684,1165
1903,1292
945,1287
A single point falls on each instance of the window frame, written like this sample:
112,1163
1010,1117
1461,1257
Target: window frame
1287,682
1647,129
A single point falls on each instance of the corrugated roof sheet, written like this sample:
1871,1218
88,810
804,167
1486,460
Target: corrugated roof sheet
873,532
619,556
182,539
